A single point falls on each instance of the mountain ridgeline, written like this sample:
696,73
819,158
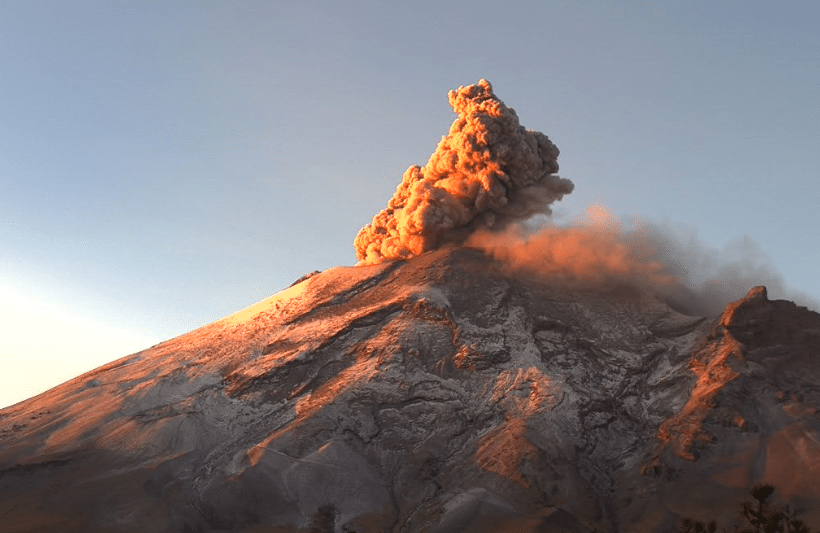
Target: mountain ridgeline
436,394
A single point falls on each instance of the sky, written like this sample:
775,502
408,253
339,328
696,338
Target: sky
165,164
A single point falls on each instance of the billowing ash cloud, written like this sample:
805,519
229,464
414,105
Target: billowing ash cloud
487,171
489,175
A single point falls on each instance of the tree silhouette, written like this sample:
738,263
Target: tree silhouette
324,519
792,523
763,517
760,516
687,525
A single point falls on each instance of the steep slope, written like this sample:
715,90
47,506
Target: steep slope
437,394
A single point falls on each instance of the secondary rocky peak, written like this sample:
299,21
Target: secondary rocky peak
758,292
740,310
756,320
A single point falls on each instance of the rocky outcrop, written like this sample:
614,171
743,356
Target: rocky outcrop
433,395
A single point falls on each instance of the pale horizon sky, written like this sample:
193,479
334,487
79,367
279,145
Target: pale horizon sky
165,164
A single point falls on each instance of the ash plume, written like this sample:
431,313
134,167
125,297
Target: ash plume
488,177
486,172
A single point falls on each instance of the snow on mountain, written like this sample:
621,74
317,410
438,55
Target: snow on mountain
436,394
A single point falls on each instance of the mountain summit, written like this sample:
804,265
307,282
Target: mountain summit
436,394
473,374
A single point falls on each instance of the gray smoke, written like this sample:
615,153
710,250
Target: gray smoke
599,253
489,175
711,278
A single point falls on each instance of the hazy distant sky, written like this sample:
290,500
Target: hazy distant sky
163,164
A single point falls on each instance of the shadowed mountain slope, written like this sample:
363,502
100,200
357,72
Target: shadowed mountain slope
435,395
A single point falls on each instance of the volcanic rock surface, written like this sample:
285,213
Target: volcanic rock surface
432,395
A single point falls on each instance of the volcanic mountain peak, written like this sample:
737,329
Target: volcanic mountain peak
470,376
435,394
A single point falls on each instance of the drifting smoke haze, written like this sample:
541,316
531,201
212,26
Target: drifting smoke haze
708,279
599,252
593,252
489,176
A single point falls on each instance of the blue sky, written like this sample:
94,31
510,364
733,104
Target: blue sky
164,164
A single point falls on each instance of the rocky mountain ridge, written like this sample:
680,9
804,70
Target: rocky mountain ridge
436,394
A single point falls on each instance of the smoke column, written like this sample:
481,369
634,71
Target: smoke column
486,172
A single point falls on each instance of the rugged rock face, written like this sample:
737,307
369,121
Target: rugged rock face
431,395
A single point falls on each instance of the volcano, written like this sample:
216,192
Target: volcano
436,394
468,375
